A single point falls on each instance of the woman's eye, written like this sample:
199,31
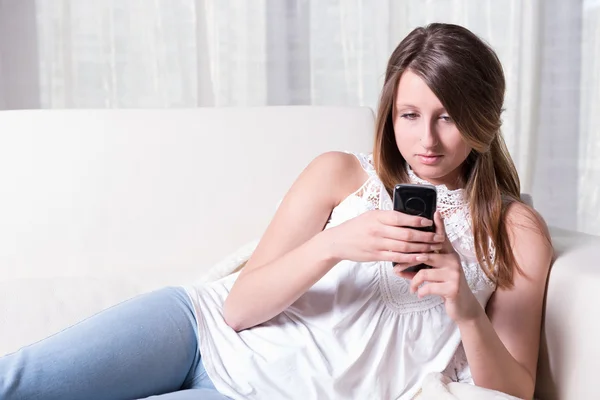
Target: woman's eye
446,118
409,116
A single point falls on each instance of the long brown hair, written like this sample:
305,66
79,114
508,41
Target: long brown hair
467,77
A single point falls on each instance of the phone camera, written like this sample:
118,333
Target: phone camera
415,206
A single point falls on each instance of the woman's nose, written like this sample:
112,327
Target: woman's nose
429,136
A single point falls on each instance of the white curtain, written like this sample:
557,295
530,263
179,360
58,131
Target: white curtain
588,204
188,53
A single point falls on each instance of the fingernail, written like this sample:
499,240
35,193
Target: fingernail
438,238
422,258
436,247
426,222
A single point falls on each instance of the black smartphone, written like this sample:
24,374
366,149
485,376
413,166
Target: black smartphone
416,200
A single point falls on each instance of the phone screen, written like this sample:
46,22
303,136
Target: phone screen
416,200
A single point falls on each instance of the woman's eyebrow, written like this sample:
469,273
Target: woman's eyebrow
406,105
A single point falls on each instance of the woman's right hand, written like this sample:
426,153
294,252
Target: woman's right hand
382,235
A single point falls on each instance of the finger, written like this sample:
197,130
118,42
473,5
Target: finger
397,257
428,275
443,289
400,267
401,246
436,260
409,234
440,230
396,218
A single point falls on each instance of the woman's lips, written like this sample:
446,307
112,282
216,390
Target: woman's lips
429,159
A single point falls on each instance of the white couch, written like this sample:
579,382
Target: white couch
97,206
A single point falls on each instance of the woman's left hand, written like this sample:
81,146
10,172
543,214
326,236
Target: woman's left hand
445,279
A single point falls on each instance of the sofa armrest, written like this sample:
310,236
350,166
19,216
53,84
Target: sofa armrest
570,343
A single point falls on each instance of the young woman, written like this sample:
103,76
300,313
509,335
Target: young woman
319,311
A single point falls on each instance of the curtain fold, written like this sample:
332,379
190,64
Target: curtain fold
589,123
19,56
204,53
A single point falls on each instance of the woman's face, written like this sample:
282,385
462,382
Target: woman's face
426,136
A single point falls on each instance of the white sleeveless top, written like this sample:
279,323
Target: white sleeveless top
358,333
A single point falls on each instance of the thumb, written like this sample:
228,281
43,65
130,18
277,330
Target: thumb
440,229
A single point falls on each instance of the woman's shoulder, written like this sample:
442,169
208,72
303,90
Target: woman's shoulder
528,234
522,216
336,160
340,161
345,172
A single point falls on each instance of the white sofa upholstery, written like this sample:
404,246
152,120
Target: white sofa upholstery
97,206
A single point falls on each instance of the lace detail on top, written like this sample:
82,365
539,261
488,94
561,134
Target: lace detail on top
397,295
370,192
454,208
449,201
366,162
395,291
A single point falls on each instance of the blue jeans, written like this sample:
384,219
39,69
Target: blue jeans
146,346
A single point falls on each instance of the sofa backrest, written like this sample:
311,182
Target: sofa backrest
152,190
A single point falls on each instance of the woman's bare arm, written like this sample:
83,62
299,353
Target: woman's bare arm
502,346
293,253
